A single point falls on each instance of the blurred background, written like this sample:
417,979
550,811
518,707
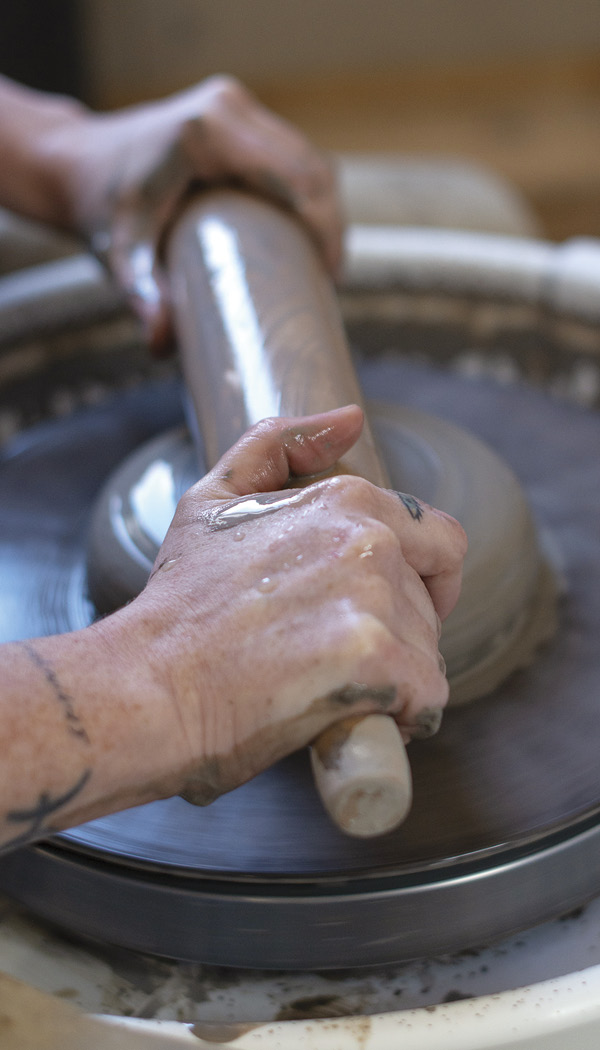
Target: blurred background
512,84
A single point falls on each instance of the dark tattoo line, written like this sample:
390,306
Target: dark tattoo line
36,816
412,505
73,721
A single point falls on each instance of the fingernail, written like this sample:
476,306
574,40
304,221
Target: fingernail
442,663
428,722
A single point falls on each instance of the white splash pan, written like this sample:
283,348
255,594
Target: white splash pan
562,1014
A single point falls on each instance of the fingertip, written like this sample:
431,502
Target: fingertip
336,429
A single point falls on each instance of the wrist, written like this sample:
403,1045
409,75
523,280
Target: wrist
150,723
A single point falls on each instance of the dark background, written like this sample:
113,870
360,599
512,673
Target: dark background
40,45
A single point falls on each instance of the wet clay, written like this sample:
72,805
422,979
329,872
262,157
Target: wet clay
259,326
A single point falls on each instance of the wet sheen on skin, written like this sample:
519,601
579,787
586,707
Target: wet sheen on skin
247,508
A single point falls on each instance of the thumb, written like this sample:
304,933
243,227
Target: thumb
277,449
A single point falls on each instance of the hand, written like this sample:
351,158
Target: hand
128,172
267,619
271,614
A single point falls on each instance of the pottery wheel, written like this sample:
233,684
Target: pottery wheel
505,826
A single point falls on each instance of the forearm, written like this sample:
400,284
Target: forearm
83,731
32,169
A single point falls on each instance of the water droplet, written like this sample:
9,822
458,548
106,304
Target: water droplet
299,557
239,535
266,585
367,552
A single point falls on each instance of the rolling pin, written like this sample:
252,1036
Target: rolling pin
260,334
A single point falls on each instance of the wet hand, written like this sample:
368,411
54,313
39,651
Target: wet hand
276,611
130,171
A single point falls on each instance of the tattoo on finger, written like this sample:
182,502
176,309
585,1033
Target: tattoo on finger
414,508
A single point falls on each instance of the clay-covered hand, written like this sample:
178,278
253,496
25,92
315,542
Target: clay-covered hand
273,611
127,173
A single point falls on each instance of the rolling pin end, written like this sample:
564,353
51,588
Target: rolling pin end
363,776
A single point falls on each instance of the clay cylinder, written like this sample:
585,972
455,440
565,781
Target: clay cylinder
260,334
259,327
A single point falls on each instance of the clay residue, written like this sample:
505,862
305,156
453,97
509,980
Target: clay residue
221,1033
314,1006
354,692
206,784
330,743
428,721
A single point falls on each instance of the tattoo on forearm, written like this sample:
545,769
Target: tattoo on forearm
35,818
74,724
412,505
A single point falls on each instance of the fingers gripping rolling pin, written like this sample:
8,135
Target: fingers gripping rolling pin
260,335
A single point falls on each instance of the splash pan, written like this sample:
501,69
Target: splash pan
504,831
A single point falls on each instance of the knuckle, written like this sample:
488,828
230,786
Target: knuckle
375,535
422,686
370,543
268,427
226,91
351,491
370,638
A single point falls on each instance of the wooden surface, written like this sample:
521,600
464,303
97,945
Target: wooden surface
536,122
